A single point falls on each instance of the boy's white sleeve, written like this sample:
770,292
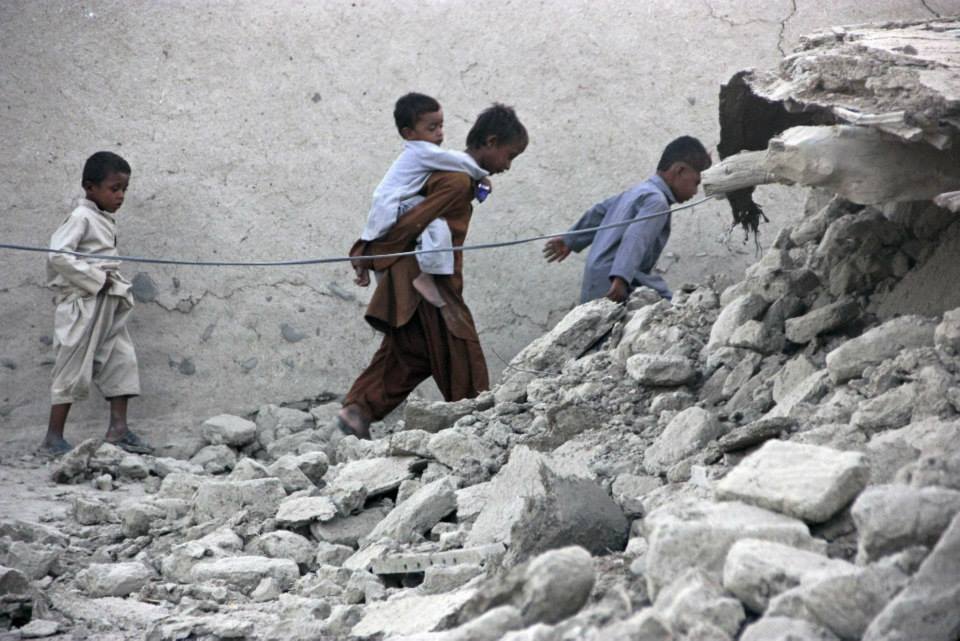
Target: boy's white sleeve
436,158
75,270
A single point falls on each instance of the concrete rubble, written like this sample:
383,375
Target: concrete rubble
776,460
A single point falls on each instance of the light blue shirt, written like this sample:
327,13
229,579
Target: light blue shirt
631,251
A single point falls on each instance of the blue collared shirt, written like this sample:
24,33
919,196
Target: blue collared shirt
630,252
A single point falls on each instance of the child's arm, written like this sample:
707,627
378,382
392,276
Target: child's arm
639,238
87,275
433,158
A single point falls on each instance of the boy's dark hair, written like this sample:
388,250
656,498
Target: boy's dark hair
410,107
685,149
102,164
500,121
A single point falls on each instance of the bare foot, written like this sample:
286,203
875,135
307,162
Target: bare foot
361,276
351,422
427,287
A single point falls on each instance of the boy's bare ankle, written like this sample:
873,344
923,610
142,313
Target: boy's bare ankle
427,287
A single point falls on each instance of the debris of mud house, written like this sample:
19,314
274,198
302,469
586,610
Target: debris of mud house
774,461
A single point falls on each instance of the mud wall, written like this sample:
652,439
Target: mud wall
258,130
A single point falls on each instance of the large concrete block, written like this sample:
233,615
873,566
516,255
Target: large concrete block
691,533
684,435
226,429
223,499
806,481
531,508
878,344
408,521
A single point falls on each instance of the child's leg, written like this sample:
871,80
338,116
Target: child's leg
54,442
435,236
118,418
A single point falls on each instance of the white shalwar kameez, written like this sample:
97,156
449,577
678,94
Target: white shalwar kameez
399,191
90,325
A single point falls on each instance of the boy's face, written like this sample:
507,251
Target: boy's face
428,128
109,192
497,158
683,180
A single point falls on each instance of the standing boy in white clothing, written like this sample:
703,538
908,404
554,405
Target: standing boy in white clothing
419,120
93,306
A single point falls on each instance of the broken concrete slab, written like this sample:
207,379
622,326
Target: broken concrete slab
410,614
435,416
583,326
245,573
349,530
113,579
890,518
803,329
697,533
737,312
756,571
532,508
404,563
661,370
226,429
282,544
221,500
378,475
408,521
686,433
878,344
805,481
297,511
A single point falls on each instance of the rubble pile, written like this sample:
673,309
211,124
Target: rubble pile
772,461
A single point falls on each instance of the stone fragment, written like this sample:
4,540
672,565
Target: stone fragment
288,471
180,485
929,606
661,370
178,564
457,446
274,422
91,511
331,553
737,312
410,614
878,344
694,598
282,544
220,500
113,579
890,410
691,533
435,416
803,329
30,532
36,560
786,629
891,450
348,530
645,625
755,336
437,580
409,443
583,326
890,518
932,469
531,507
684,435
846,603
39,629
136,518
755,433
806,481
215,459
946,337
407,522
628,491
313,464
226,429
791,374
377,475
809,390
296,511
248,469
756,571
244,573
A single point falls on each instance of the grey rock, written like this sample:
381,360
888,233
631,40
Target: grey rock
694,598
410,614
91,511
220,500
30,532
348,530
571,337
245,573
331,553
892,409
35,560
247,469
409,443
891,450
291,334
661,370
809,390
215,459
806,481
684,435
39,629
786,629
226,429
934,469
754,335
113,579
282,544
288,471
440,415
755,433
274,422
628,491
737,312
437,580
645,625
929,606
377,475
878,344
946,337
313,464
178,564
756,571
144,288
532,507
455,447
297,511
181,485
408,521
695,533
471,501
791,374
890,518
137,518
822,320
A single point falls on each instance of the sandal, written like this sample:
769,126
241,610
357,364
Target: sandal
57,448
132,443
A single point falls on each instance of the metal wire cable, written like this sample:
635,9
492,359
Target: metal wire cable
344,259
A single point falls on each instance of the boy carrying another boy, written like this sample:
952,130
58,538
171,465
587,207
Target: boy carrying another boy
93,305
419,120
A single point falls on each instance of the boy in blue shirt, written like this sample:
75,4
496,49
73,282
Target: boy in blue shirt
622,258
